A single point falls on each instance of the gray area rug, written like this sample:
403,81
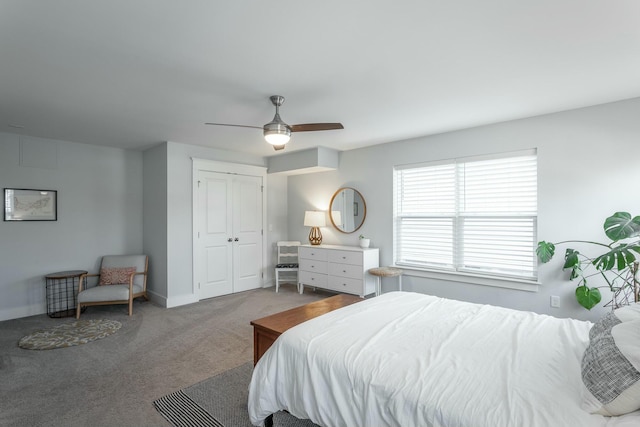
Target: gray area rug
69,334
220,401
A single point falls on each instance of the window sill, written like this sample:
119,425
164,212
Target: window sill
475,279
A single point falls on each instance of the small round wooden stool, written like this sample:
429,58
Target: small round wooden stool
381,272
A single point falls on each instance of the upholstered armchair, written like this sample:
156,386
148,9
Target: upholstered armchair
121,279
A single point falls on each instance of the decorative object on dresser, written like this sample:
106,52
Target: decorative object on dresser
364,242
338,268
347,210
315,220
287,262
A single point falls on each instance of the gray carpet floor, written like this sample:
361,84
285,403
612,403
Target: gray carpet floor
114,381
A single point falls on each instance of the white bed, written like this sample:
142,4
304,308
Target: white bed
407,359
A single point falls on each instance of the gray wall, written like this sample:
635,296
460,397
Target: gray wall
155,219
99,213
589,167
277,220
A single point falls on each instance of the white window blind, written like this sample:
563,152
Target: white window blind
474,215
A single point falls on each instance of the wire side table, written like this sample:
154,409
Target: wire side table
62,291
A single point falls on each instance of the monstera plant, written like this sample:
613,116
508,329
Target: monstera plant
617,265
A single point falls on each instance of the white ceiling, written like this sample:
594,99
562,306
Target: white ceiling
132,73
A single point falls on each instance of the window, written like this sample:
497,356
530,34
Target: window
471,215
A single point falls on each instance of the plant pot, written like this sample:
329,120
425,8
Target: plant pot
364,243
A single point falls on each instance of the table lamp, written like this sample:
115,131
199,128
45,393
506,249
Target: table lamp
315,220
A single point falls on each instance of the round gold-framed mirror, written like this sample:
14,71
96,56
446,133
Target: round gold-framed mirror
347,210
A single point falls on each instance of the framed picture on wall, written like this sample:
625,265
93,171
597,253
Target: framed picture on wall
30,205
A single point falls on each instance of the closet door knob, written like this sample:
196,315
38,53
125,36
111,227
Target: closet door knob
229,239
236,239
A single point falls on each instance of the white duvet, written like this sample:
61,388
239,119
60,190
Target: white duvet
407,359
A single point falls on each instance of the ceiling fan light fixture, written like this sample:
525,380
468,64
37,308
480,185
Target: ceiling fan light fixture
277,133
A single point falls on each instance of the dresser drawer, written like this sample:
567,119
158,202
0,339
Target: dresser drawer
346,257
346,270
312,253
346,284
312,279
312,265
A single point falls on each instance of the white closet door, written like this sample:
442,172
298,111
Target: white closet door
229,233
215,249
247,229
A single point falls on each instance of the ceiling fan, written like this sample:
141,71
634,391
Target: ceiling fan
277,132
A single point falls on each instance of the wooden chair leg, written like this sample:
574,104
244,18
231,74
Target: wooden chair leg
130,306
78,311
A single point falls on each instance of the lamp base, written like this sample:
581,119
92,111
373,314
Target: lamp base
315,237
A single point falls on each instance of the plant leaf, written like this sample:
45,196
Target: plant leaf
621,226
571,258
588,297
619,257
576,271
572,261
545,251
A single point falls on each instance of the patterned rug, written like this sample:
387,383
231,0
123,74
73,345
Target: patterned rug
69,334
220,401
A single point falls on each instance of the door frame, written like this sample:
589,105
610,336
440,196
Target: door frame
232,169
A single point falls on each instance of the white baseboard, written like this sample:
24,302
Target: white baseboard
171,301
156,298
180,300
19,312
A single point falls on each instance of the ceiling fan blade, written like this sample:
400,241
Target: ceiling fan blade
278,147
308,127
238,126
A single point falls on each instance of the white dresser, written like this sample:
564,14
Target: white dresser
338,268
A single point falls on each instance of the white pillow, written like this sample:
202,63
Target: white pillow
628,313
611,370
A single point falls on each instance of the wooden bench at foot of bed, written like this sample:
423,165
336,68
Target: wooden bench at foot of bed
267,329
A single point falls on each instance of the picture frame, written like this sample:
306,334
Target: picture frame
21,204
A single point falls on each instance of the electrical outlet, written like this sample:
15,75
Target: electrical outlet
555,301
